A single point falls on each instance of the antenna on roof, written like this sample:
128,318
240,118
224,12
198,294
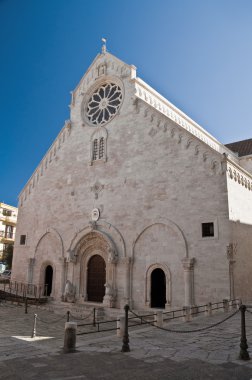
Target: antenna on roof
104,47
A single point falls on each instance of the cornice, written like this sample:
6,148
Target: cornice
148,95
239,174
45,162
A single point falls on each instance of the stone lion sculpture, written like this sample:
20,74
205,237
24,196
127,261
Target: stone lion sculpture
69,293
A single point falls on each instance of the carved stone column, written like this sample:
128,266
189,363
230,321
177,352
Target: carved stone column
231,251
111,286
64,277
188,265
126,261
68,267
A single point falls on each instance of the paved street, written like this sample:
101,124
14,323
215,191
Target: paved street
155,354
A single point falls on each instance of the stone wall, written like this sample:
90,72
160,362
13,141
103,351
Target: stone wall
158,185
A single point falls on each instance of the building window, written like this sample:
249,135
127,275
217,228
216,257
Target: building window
101,148
95,149
207,229
98,149
6,212
22,239
104,103
98,145
9,232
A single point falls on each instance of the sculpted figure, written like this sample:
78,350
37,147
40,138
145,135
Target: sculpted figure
112,257
109,297
69,293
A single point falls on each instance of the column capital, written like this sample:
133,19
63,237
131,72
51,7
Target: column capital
31,261
126,260
188,263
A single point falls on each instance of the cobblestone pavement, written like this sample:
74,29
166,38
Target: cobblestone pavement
155,354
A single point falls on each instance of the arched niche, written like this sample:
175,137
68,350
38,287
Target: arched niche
149,272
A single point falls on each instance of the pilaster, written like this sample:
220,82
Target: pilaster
188,266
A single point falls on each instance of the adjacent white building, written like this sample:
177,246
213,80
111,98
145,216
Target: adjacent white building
8,221
135,203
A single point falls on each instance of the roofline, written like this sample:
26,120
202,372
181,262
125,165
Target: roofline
168,109
5,205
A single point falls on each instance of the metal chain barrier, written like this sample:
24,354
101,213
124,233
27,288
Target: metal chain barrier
248,311
55,321
186,331
81,319
6,305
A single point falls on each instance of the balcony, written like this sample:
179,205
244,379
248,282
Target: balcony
7,236
8,219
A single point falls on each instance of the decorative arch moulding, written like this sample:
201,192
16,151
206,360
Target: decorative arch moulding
104,229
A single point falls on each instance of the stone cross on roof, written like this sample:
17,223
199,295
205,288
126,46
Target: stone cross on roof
104,47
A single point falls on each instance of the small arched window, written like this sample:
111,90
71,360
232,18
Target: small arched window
95,149
101,148
99,145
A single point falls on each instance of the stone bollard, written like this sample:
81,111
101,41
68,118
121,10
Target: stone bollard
225,305
70,337
121,325
238,304
209,309
230,305
187,313
159,319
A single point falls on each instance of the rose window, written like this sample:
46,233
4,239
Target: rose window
104,103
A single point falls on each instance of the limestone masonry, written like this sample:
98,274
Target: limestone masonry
135,203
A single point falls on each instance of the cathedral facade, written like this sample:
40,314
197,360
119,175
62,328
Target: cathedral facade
135,203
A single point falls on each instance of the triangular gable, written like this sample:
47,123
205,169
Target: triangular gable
98,67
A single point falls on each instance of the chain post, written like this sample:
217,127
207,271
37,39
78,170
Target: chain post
244,355
26,305
94,321
68,316
125,346
33,335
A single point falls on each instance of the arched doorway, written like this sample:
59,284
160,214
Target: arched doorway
48,280
96,279
158,288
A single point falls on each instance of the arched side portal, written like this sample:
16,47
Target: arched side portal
158,288
48,253
94,269
161,244
48,280
96,279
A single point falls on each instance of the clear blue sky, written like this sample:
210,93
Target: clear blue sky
197,53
